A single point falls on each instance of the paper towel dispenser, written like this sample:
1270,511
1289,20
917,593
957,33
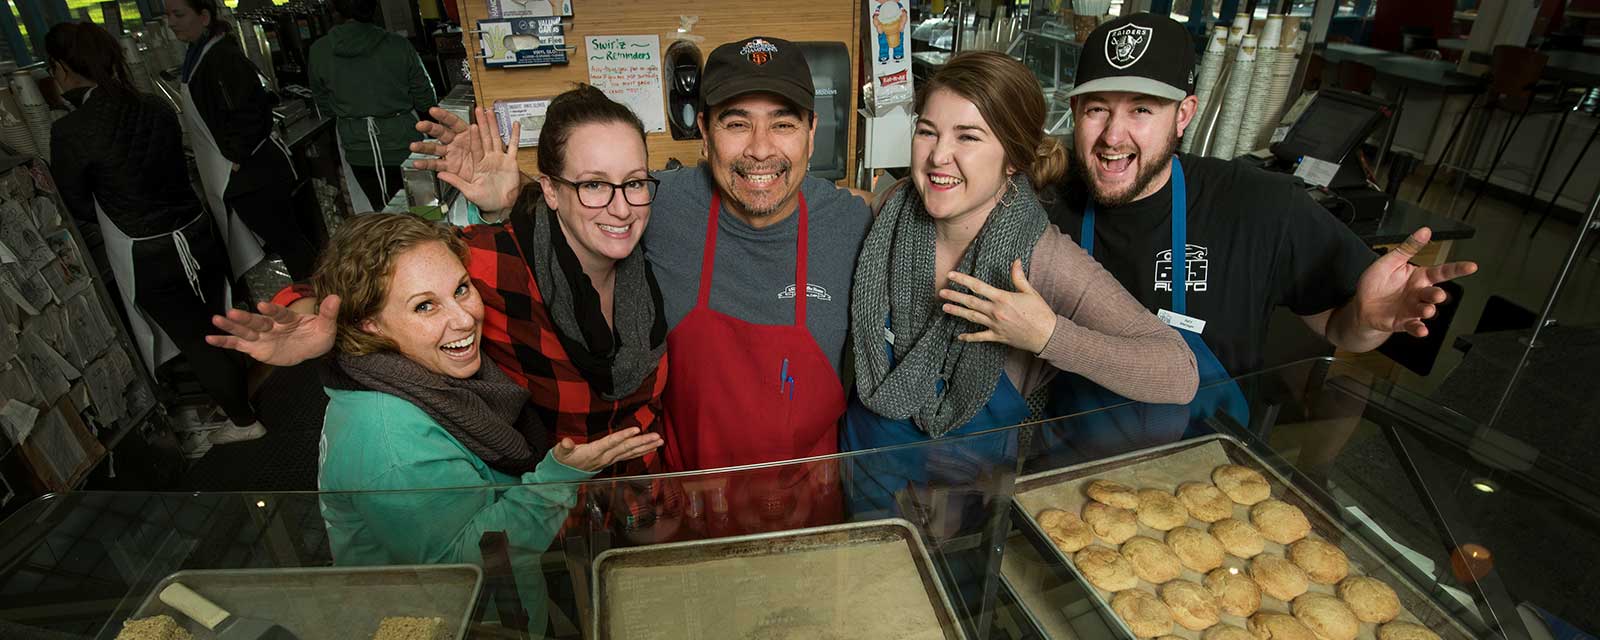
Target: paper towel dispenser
682,69
830,73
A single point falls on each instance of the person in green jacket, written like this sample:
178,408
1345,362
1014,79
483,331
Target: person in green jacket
374,83
424,449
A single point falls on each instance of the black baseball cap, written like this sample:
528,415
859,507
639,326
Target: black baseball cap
1140,53
759,64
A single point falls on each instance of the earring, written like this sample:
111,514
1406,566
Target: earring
1009,199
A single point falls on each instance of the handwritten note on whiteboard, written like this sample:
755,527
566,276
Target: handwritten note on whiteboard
628,69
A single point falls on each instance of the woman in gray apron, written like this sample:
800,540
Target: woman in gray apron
244,166
119,164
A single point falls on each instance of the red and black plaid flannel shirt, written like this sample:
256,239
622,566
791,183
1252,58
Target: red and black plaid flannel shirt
520,337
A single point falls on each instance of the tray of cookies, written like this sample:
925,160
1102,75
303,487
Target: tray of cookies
326,603
1203,539
871,579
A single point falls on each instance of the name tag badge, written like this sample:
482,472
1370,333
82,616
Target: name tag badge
1180,321
888,336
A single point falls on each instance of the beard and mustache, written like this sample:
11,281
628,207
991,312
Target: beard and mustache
1084,168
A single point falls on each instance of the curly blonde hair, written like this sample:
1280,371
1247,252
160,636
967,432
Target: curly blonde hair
358,265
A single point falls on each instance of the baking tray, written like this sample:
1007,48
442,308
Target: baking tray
336,603
862,579
1164,467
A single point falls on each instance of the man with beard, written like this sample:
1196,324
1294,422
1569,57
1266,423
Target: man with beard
1210,245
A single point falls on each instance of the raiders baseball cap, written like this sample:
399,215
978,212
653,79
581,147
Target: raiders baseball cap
759,64
1140,53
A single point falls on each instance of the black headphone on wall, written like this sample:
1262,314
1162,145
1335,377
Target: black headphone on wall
683,90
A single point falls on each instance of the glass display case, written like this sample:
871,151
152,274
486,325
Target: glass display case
941,539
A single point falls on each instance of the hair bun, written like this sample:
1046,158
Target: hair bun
1052,163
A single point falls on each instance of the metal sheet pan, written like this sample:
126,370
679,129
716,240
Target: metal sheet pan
806,583
332,603
1164,467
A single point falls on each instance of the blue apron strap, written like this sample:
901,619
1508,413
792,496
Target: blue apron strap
1180,239
1086,234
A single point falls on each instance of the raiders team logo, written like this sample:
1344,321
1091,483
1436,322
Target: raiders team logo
1126,44
758,51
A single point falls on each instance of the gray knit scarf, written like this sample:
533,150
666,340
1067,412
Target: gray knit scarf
894,279
487,413
613,361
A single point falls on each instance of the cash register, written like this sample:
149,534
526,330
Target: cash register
1332,129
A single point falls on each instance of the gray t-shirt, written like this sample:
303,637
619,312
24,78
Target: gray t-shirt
754,278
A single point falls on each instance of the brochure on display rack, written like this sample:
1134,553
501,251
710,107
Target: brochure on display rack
522,42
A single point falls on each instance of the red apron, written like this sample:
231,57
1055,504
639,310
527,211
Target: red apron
740,393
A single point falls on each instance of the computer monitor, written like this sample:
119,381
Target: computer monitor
1334,125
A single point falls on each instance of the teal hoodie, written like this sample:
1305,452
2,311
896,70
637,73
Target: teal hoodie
358,71
380,456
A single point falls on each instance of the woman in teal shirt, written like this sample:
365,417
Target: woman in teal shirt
424,448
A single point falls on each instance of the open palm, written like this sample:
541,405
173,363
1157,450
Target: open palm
472,158
278,336
1396,295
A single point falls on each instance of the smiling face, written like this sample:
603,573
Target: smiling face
957,163
186,23
1124,142
431,313
601,152
759,147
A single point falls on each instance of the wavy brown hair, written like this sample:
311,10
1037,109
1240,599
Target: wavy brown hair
1008,97
358,266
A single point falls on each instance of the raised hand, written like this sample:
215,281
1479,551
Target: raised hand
626,444
278,336
472,158
1020,319
1395,295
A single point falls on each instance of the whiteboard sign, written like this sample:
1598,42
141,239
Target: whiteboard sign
628,69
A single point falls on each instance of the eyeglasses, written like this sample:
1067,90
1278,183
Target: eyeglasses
597,194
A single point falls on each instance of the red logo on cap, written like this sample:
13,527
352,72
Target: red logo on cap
758,51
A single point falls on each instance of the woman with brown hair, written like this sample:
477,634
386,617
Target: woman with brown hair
966,299
411,405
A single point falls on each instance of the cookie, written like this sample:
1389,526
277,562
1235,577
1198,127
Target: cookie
1161,511
1191,605
1279,521
1370,599
1236,592
1328,617
1105,568
1278,578
1277,626
1323,562
1069,532
1226,632
1146,616
1243,485
1112,524
1112,494
1405,631
1196,549
1152,561
1205,502
1238,538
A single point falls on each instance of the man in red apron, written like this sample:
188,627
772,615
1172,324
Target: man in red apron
754,260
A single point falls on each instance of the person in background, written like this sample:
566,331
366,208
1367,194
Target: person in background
374,83
411,406
244,167
966,299
118,160
573,314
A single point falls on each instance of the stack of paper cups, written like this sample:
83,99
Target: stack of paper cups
1257,111
1241,26
14,130
1235,98
136,65
1210,68
1282,81
35,111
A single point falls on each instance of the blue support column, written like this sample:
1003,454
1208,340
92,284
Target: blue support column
1228,9
1161,7
14,39
35,20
